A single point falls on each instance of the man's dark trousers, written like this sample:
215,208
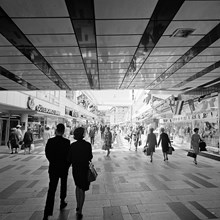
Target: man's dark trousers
54,179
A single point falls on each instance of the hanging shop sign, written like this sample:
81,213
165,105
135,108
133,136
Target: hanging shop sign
40,108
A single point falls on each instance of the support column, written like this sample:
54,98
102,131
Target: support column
24,120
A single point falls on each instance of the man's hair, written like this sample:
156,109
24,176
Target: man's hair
60,128
196,129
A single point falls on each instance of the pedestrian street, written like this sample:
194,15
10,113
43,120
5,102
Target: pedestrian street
128,186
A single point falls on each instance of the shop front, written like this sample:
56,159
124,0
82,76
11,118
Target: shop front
205,117
6,123
42,117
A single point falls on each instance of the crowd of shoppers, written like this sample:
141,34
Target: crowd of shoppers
61,154
134,136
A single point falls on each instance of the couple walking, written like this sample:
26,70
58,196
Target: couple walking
61,155
152,143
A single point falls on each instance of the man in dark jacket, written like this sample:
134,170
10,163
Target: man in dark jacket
57,149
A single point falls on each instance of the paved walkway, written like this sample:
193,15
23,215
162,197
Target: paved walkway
128,187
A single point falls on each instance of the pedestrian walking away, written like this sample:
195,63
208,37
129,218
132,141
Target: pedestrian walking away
195,139
165,143
80,156
92,134
57,150
107,140
151,143
13,141
28,140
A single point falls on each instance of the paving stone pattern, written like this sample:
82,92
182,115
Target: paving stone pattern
129,186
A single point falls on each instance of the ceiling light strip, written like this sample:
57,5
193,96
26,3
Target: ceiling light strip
82,16
199,74
213,83
201,45
18,39
16,79
2,89
204,91
163,14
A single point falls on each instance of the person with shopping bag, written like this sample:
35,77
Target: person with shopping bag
165,143
195,140
80,157
151,143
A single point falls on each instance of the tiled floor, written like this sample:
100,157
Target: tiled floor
128,187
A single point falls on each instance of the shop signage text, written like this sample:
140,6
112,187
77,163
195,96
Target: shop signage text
40,108
204,115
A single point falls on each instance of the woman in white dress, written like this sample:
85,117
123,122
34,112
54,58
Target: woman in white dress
46,135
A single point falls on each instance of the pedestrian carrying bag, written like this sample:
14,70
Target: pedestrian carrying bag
92,173
191,154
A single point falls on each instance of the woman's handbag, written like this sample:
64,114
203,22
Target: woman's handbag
191,154
147,151
139,143
22,146
92,173
170,150
126,138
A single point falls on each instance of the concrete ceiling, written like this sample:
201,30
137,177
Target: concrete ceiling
110,44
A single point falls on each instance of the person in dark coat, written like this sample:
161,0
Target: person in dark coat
14,140
151,143
92,134
28,140
107,140
165,143
80,155
57,150
195,139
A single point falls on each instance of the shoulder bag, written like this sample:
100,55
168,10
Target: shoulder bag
191,154
92,173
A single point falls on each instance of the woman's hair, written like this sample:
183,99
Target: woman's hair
151,130
79,133
162,129
195,129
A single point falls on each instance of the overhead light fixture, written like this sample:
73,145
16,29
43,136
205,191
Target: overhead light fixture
212,84
182,32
